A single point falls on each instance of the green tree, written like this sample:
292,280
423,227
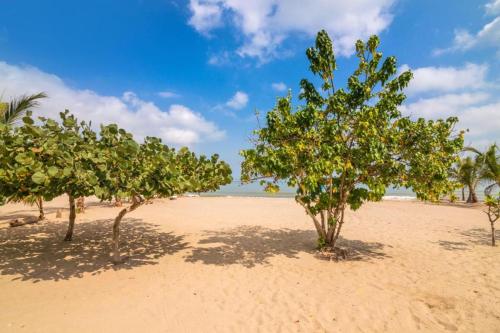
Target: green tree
24,173
493,213
469,174
71,160
147,171
490,167
13,111
10,114
346,146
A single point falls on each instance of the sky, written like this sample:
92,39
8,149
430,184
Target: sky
195,72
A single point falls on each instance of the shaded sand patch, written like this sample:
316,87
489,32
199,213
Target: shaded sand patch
249,265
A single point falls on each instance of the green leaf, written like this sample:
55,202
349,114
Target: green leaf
38,178
52,171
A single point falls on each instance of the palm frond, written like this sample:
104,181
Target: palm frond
18,107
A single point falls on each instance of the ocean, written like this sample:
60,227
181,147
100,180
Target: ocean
236,189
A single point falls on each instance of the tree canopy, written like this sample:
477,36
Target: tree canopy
49,158
346,145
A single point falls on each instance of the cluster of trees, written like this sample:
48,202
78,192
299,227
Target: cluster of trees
43,160
480,167
345,146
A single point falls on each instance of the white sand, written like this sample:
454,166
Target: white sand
248,265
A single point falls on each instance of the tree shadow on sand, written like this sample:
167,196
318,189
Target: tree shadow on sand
471,237
38,252
252,245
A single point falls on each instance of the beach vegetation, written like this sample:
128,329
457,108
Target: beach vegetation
346,144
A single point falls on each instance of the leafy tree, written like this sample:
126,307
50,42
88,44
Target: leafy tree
469,174
490,163
346,146
12,112
150,170
70,159
23,171
493,213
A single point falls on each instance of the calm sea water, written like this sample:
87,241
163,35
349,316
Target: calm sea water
236,189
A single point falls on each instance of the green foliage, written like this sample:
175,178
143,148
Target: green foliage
489,167
12,112
346,145
54,158
493,212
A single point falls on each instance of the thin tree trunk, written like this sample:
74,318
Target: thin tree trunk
472,195
341,222
493,234
116,228
321,231
463,193
41,215
72,216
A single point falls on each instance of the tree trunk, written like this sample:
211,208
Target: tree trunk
72,216
463,193
136,202
472,195
116,236
493,234
41,215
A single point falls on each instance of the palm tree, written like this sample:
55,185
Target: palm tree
468,173
490,171
11,112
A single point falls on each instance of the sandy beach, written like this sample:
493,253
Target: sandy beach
213,264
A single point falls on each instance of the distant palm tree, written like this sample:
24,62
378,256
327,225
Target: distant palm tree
468,173
490,171
11,112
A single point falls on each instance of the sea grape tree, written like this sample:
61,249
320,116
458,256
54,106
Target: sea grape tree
346,145
24,172
70,160
149,170
493,212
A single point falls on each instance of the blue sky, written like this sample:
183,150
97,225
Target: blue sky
193,72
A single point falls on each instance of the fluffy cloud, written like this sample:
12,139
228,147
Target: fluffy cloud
493,7
443,106
476,112
488,36
441,92
279,86
179,125
446,79
206,16
238,101
266,24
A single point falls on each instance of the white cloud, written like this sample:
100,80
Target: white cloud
476,112
488,36
443,106
238,101
446,79
206,16
279,86
178,125
463,92
168,94
266,24
493,7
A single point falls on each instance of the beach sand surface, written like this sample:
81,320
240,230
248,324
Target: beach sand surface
221,264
